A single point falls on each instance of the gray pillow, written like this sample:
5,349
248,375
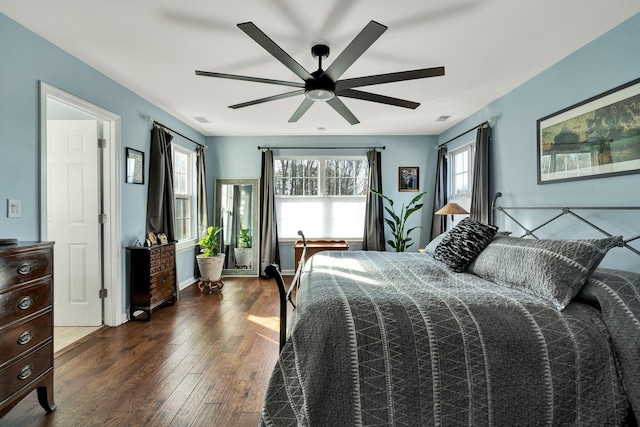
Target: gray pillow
431,247
554,270
463,243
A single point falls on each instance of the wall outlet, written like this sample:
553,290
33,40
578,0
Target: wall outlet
14,208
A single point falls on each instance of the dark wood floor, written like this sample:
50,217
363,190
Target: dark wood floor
204,362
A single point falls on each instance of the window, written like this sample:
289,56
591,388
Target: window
183,190
323,196
460,177
461,171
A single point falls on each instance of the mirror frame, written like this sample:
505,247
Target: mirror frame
255,222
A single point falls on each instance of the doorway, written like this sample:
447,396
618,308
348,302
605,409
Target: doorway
80,193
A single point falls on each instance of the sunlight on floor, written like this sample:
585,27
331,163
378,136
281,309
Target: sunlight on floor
272,323
67,335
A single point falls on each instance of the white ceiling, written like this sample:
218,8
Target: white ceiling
152,47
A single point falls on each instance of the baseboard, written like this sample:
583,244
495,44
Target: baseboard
287,272
187,283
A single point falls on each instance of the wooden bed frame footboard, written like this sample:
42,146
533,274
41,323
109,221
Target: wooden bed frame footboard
273,270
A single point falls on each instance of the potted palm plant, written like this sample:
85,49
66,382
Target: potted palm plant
401,240
243,251
210,260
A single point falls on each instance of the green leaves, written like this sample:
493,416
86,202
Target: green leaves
401,240
209,242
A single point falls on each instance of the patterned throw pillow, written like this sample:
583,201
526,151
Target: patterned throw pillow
463,243
554,270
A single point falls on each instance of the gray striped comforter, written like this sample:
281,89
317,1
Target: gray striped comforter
398,339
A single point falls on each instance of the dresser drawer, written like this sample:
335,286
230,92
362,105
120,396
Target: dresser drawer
24,371
162,286
24,336
24,267
24,301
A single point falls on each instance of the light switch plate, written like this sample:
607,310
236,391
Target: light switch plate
14,208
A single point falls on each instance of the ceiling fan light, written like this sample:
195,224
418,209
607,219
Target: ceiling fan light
319,94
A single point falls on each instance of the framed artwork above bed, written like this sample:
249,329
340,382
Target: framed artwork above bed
595,138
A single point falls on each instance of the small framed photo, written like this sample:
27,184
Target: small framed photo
408,178
135,167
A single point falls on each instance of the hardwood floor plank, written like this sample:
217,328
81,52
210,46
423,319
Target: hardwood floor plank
203,362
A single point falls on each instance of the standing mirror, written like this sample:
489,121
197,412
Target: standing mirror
237,212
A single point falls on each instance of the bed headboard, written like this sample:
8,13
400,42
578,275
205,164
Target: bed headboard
530,220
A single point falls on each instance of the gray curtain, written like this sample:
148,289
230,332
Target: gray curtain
480,200
269,251
203,210
439,222
160,203
373,239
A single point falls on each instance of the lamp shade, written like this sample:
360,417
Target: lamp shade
451,209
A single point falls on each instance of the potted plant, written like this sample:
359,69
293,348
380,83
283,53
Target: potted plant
210,261
397,222
243,251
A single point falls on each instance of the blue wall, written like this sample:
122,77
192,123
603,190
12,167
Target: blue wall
610,61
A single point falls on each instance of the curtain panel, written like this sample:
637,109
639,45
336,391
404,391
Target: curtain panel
269,251
439,222
373,239
480,200
203,209
160,202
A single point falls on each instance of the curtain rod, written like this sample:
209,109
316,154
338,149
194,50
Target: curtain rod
149,119
321,148
486,122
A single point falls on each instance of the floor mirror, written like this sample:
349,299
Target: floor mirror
237,212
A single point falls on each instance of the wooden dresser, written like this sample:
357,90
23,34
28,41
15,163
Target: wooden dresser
152,278
26,323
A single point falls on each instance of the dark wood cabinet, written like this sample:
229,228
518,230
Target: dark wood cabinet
152,279
26,323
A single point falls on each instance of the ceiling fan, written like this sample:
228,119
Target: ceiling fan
324,85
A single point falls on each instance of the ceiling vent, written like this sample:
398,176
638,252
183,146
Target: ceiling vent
201,119
442,118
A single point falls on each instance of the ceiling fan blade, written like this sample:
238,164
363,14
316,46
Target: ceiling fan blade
268,98
301,110
270,46
389,78
343,110
356,48
367,96
249,79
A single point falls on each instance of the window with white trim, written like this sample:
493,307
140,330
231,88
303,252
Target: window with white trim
184,190
323,196
460,161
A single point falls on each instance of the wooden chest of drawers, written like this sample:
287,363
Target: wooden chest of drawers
26,324
152,277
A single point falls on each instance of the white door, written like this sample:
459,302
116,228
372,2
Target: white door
73,204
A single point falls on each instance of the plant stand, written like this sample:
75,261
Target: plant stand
213,285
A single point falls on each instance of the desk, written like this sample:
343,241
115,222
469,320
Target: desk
314,246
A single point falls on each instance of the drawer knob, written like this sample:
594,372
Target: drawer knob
25,303
25,268
25,372
164,280
25,337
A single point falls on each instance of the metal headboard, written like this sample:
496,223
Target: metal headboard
563,211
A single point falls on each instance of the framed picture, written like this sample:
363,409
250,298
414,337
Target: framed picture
596,138
408,178
135,166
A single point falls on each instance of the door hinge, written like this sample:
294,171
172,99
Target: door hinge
102,143
102,218
102,293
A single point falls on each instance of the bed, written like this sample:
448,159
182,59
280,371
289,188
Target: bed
381,338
